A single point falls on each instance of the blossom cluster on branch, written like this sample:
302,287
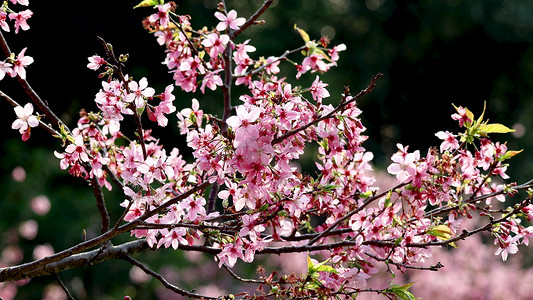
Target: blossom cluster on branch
242,194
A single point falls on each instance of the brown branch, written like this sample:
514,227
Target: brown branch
100,204
74,261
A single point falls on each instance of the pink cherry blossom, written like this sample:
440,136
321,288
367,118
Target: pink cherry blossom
211,80
507,247
314,62
21,63
139,91
318,90
21,19
78,149
245,116
230,252
26,119
404,166
172,238
3,24
5,68
230,20
461,116
162,15
449,141
195,208
216,43
95,62
22,2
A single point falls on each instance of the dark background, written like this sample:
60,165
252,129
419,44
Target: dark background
432,54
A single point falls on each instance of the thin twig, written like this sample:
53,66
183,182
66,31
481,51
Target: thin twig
64,287
167,284
29,90
353,212
43,125
117,66
332,113
251,20
400,265
279,58
246,280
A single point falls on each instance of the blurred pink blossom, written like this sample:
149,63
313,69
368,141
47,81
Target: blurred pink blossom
54,292
29,229
139,276
42,251
18,174
40,205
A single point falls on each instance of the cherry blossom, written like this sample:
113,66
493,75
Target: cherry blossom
20,63
3,24
95,62
22,2
507,247
162,15
25,120
21,19
318,90
139,92
230,252
461,116
229,21
449,141
5,68
247,156
216,43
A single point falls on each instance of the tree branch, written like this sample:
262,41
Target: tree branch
100,203
64,287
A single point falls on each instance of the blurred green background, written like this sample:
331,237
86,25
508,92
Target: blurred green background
432,53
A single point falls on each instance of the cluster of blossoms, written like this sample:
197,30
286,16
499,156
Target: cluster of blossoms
196,55
15,65
12,65
250,162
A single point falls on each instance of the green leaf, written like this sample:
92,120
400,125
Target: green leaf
402,291
509,154
495,128
302,33
148,3
442,232
330,187
319,267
